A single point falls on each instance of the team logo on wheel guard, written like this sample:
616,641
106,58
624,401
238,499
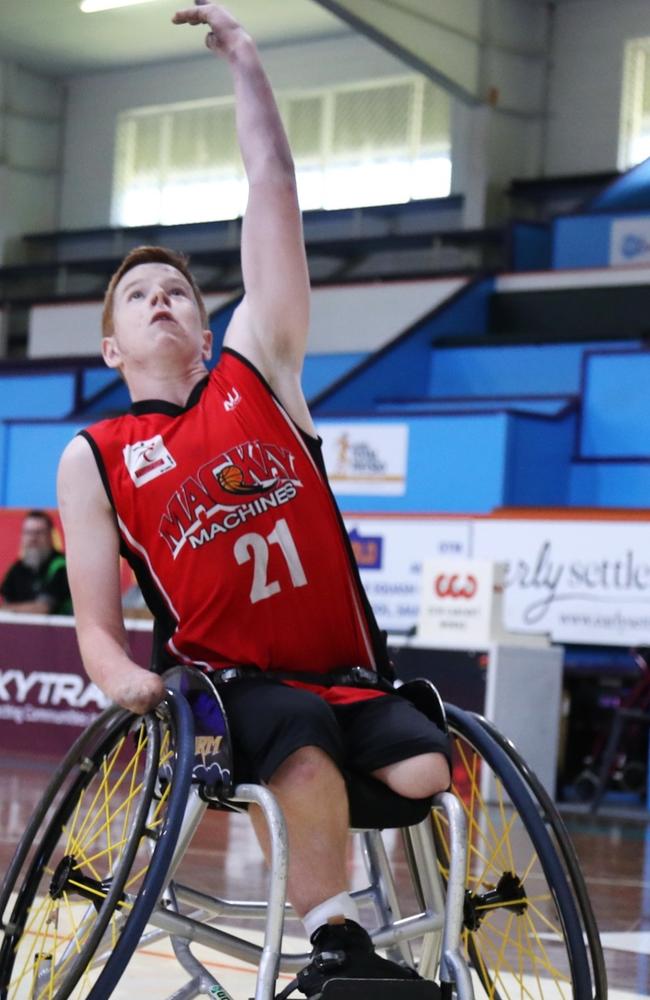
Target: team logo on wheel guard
230,490
146,460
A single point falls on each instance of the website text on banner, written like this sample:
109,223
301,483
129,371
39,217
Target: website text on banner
578,580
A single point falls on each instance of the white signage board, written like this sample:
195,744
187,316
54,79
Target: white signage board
579,581
630,240
366,459
459,603
390,551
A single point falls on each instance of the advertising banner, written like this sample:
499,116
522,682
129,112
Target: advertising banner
390,551
578,581
46,699
630,240
460,603
370,459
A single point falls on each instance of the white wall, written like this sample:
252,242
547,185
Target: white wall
365,317
586,82
490,145
31,126
349,318
70,329
95,101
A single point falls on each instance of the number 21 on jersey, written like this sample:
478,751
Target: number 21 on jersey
256,547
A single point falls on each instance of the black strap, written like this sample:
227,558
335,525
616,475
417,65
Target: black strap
360,677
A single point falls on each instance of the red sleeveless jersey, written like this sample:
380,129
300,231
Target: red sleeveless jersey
226,516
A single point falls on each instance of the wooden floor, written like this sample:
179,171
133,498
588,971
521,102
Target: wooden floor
225,859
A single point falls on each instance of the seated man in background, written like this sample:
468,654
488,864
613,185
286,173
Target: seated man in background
37,583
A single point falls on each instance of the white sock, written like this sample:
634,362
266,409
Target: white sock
336,906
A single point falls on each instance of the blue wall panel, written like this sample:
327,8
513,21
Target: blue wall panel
553,369
610,484
4,434
581,241
615,406
36,396
320,370
539,468
31,460
456,465
115,400
95,379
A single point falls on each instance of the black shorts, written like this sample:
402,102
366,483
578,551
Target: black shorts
270,720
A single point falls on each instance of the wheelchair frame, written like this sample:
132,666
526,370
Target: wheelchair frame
442,890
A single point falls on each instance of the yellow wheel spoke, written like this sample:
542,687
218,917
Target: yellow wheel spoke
73,821
41,914
101,854
142,737
114,755
544,962
72,921
508,845
123,807
96,810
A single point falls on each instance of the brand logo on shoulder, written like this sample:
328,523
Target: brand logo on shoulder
232,400
146,460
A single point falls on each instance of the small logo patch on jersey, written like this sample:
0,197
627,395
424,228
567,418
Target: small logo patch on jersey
232,400
146,460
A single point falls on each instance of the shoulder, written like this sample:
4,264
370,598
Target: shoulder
77,455
14,570
79,474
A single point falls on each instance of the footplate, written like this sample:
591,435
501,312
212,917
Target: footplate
380,989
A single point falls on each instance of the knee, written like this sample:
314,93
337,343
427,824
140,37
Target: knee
417,777
305,768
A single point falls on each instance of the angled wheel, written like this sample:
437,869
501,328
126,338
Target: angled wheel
562,841
93,860
522,931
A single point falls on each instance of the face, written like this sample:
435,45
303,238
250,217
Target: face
35,541
155,316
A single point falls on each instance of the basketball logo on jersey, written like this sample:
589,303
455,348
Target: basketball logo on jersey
146,460
230,490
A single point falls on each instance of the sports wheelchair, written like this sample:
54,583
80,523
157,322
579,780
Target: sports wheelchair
497,904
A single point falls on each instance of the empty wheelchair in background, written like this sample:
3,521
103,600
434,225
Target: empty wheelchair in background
496,906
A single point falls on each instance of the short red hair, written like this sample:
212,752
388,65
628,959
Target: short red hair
149,255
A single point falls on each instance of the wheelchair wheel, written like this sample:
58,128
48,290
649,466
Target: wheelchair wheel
562,841
92,863
522,932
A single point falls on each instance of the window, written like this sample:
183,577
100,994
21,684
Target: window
635,108
380,143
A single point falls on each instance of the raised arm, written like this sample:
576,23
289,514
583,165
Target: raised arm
270,326
92,552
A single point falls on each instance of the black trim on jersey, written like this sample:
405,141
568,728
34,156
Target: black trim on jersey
164,622
169,409
101,467
314,446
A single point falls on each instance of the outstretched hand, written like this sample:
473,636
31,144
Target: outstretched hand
224,29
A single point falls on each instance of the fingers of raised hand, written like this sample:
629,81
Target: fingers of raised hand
198,14
191,15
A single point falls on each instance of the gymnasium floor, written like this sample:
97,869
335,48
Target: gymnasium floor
224,860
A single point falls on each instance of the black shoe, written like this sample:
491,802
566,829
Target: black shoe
345,951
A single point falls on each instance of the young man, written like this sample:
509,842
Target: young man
37,583
215,490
